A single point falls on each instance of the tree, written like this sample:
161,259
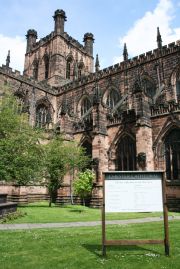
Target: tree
83,184
76,159
61,157
55,166
21,155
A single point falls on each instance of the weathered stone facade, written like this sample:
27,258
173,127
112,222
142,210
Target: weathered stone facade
127,116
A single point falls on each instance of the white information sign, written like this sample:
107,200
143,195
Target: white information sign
133,195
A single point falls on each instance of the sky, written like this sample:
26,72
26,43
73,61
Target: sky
113,23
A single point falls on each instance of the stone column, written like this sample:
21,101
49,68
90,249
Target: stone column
145,157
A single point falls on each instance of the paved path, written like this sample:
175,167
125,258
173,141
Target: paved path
25,226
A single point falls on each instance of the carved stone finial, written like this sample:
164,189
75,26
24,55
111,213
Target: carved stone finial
8,59
159,39
97,65
88,36
60,13
31,33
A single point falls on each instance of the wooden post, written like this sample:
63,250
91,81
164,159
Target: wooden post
103,221
165,213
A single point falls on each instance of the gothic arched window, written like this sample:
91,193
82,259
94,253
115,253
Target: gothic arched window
46,65
35,69
112,98
43,116
149,88
68,69
85,105
80,68
172,155
88,152
178,89
126,154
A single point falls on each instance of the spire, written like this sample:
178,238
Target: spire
97,66
125,53
8,59
159,39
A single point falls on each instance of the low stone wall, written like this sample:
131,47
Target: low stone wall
24,194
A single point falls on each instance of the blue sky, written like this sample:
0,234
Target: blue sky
112,22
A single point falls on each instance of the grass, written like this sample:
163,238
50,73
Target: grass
73,248
41,213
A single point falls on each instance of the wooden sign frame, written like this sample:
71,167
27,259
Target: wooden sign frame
164,241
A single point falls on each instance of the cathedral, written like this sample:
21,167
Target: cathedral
126,116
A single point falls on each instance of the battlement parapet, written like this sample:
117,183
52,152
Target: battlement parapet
122,66
30,81
124,116
9,70
165,108
68,38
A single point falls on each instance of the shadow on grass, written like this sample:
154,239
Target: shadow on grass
46,204
77,210
137,250
29,206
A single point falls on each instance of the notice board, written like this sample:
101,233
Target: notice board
133,192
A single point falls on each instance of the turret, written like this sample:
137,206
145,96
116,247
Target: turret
59,18
88,43
31,39
159,39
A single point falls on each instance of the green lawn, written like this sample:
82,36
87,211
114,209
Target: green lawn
41,213
78,248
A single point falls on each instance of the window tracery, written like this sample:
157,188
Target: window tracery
112,98
85,105
172,155
148,87
35,69
46,65
126,154
43,116
178,89
68,69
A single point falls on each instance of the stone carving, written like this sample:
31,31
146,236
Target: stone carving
141,159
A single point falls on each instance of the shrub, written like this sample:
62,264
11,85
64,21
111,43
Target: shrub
83,184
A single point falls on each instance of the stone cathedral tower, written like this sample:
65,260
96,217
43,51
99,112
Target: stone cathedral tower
58,58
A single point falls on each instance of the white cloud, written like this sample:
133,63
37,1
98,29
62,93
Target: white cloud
142,36
17,47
